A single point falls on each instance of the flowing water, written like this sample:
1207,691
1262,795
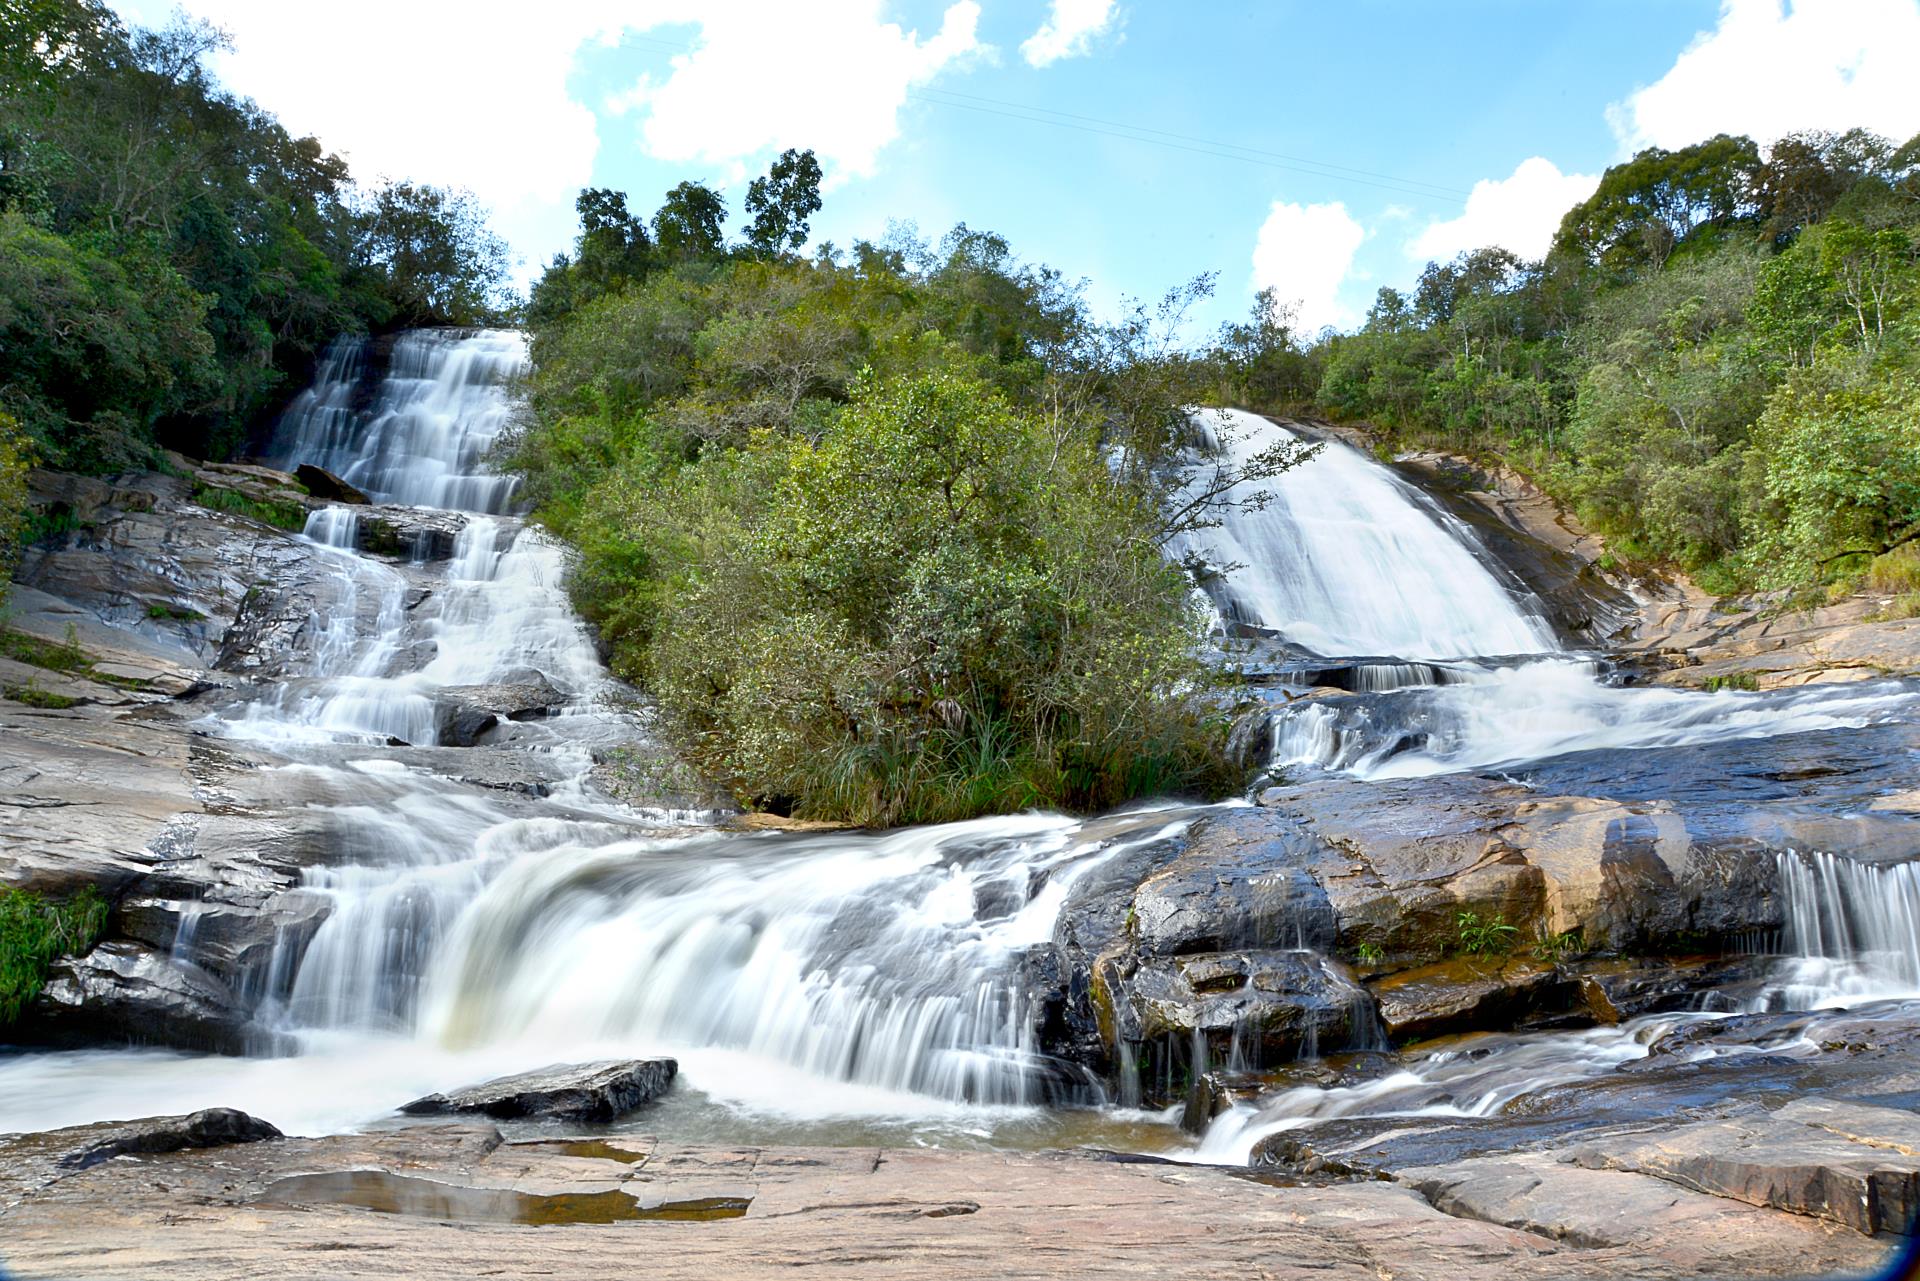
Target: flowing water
835,987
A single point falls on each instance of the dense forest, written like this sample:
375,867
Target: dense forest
1717,364
171,259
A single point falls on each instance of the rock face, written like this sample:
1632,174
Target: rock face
567,1092
393,1201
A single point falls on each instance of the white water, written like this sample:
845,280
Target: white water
1854,929
1347,559
819,977
421,436
472,932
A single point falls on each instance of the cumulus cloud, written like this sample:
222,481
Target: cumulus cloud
1519,212
476,100
1304,254
479,98
1771,68
1069,30
829,74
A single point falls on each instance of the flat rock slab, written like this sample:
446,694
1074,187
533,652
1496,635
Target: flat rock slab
1850,1163
568,1092
261,1210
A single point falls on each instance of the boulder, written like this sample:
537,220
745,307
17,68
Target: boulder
208,1128
458,724
1255,1006
327,487
568,1092
520,695
1473,992
122,991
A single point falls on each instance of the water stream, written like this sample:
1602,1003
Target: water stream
820,987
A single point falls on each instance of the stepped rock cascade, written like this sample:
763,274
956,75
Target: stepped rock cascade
1853,929
420,434
469,931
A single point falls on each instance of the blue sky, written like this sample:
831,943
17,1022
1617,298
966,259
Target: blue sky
1359,138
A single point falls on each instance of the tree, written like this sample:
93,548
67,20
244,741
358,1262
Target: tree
782,202
442,264
688,223
1645,208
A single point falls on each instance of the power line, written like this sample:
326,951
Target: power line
1151,137
1341,171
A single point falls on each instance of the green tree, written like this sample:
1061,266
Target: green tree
781,203
689,221
1645,208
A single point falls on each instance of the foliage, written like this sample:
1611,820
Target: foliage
1484,936
15,456
1717,365
1744,681
23,647
171,259
1369,954
35,932
281,515
781,203
32,695
1556,948
882,531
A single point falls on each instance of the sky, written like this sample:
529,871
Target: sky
1324,150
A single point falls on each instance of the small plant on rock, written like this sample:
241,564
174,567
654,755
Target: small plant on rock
1368,954
1485,936
1555,948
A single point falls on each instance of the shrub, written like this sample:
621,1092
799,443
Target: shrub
35,932
281,515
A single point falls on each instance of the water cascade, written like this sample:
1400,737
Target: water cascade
1348,560
419,434
1853,930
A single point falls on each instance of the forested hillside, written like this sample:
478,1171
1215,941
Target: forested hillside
171,259
1718,363
882,529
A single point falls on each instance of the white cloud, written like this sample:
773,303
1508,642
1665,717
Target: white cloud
478,98
828,74
1069,30
1304,253
1519,213
1770,69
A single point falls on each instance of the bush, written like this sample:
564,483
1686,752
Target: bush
34,933
934,611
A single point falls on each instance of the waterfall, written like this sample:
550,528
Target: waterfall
1347,559
1853,931
421,434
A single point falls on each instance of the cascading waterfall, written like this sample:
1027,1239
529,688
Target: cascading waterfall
1853,930
1347,559
420,435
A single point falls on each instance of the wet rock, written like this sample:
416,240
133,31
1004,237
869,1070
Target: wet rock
1470,993
1230,888
572,1092
327,487
121,991
409,533
1851,1163
521,695
1257,1006
208,1128
461,724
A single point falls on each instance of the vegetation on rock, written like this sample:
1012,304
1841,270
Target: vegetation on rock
35,932
883,530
